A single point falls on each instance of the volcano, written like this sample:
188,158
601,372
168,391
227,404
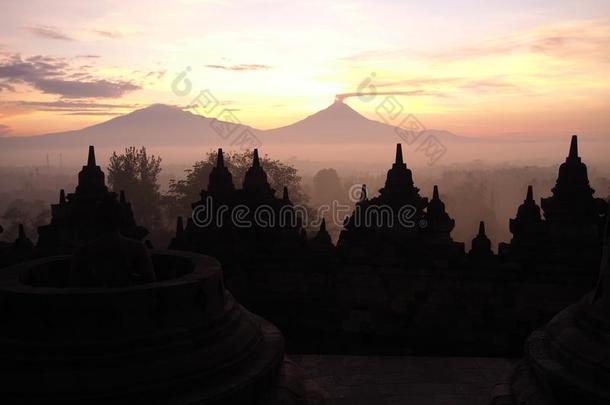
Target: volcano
340,123
162,128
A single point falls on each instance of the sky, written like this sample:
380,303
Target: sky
476,68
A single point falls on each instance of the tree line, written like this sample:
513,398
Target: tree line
137,173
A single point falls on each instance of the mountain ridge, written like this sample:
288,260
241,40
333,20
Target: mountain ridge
334,122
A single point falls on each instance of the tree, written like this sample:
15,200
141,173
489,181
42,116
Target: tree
31,214
279,174
327,186
137,174
182,193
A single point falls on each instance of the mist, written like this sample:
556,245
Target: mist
487,190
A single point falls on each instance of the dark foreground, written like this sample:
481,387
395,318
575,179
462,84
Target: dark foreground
386,380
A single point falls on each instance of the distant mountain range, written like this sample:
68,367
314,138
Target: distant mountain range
182,137
162,125
157,125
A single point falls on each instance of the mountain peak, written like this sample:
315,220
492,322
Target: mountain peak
158,107
340,106
337,111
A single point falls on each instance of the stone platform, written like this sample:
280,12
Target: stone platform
389,380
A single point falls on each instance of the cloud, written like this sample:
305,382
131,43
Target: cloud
72,105
7,87
66,107
417,82
486,85
240,67
341,97
157,74
583,39
480,85
88,56
586,39
55,76
108,34
73,89
49,32
4,129
80,75
106,113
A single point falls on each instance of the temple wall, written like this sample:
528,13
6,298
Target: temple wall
384,309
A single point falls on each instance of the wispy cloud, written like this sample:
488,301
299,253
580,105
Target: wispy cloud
54,76
579,38
108,34
449,84
489,85
423,81
343,96
49,32
94,113
72,105
6,87
67,107
240,67
156,74
587,39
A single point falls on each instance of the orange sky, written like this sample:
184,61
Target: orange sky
480,68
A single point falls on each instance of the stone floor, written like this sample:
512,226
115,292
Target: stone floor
385,380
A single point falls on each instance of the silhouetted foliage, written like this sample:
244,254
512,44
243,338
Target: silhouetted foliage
327,185
182,193
137,174
31,214
279,174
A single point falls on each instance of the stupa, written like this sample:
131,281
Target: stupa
267,226
399,225
437,232
530,233
566,361
481,245
574,216
76,218
174,337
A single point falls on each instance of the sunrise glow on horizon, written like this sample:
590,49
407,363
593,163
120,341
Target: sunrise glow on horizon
476,68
